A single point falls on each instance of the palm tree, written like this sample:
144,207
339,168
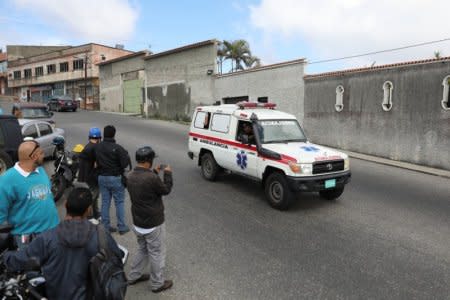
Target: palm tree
221,56
239,53
253,62
437,54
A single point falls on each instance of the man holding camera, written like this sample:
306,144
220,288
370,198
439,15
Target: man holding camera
146,190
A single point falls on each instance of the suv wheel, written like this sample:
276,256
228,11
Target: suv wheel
331,194
5,162
277,191
209,166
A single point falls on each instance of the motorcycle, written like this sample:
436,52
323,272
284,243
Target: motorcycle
66,168
29,284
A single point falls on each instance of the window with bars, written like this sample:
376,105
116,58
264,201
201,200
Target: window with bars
17,74
387,96
27,73
339,106
78,64
64,67
446,93
51,69
39,71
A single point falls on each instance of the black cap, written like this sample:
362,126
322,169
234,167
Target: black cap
145,154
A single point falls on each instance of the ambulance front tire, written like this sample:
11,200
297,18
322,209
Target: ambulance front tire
277,191
331,194
209,166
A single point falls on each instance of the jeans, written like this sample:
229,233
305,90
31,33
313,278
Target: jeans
112,187
150,247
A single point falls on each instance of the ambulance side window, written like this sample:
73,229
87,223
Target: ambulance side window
220,123
202,120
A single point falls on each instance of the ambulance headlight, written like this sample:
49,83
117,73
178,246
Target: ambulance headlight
301,168
346,163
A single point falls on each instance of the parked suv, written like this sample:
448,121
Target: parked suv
10,139
32,110
256,140
62,103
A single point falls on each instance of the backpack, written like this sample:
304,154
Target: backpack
106,274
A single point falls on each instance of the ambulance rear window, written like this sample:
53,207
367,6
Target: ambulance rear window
202,120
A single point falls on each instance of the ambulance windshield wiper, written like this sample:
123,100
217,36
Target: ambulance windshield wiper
294,140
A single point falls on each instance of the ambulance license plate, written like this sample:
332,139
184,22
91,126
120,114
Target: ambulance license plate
331,183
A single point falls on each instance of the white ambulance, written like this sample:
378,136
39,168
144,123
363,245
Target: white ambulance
256,140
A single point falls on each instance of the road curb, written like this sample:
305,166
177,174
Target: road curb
400,164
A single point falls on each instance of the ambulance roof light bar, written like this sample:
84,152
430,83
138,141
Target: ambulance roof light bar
245,104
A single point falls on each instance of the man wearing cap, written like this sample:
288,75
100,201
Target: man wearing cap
112,159
87,171
26,199
147,208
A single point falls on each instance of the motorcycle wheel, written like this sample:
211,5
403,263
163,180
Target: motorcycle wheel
59,185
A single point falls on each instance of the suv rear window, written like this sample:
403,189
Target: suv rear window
35,112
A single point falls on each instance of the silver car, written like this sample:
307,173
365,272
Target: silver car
42,132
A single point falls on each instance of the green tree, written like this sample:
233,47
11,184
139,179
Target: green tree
239,53
221,56
437,54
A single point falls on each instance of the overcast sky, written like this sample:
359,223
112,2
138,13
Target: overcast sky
277,30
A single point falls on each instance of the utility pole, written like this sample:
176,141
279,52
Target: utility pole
85,81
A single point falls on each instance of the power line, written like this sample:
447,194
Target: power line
380,51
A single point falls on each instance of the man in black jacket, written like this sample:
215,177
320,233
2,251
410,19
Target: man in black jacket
146,188
65,251
112,159
87,171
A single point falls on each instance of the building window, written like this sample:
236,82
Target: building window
58,88
78,64
39,71
446,93
51,69
263,99
234,100
339,106
64,67
387,96
27,73
17,74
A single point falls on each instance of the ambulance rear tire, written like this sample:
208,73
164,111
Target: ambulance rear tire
277,191
209,166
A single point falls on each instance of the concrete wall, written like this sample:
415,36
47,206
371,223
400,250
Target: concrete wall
416,129
281,83
178,82
111,89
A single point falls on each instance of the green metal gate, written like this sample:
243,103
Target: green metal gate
132,96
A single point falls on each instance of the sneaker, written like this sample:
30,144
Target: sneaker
121,232
112,229
144,277
94,221
167,285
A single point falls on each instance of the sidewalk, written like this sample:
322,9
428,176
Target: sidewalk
400,164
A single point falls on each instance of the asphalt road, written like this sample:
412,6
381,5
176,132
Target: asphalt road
387,237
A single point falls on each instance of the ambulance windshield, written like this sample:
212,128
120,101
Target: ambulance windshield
280,131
